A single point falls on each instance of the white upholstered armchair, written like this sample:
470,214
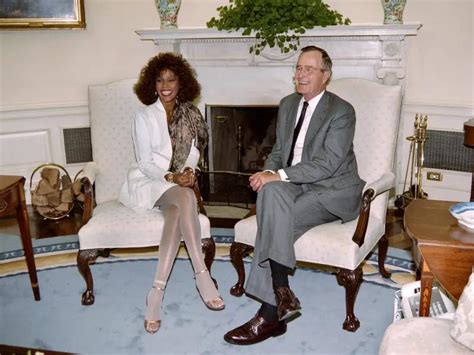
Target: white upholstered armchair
110,224
345,246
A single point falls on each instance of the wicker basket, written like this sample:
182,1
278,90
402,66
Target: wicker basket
53,197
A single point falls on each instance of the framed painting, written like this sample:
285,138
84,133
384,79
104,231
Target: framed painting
37,14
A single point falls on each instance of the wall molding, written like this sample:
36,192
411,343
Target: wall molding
43,110
32,135
437,109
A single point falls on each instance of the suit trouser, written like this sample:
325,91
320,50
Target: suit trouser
285,211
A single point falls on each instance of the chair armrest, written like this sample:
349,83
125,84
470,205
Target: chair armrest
89,171
372,190
252,212
197,192
87,177
382,184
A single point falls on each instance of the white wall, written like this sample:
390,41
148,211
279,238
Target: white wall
45,73
441,58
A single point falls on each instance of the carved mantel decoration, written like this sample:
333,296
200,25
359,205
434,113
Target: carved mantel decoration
375,52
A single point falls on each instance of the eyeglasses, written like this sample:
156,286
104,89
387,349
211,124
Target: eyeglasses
306,69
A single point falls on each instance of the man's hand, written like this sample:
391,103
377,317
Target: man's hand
258,180
185,179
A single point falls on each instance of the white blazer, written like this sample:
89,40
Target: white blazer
145,181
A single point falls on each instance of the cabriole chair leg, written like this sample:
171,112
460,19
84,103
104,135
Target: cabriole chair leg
350,280
84,258
237,253
383,247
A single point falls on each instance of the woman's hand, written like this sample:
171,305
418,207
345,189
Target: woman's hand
185,178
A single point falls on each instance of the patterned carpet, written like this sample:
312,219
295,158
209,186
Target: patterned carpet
58,255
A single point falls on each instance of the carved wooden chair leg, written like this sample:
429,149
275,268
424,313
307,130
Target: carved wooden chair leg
209,250
351,281
383,247
237,253
84,257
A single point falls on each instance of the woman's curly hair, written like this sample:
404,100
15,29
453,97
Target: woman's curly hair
145,88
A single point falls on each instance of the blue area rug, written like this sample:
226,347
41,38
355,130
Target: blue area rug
114,324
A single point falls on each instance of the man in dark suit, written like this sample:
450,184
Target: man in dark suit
310,178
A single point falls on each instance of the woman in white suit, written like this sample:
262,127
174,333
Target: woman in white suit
168,134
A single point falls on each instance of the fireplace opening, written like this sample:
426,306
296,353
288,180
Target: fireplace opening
241,137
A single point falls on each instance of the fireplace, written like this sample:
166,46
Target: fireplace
241,137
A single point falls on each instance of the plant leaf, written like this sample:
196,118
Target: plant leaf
275,21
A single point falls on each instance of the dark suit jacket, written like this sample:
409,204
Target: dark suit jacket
328,165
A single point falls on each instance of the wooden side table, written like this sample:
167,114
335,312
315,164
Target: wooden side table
12,198
446,249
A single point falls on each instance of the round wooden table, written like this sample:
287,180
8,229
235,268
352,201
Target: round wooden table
447,250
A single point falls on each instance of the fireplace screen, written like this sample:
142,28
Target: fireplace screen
240,140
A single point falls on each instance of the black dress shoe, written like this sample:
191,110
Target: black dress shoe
254,331
287,303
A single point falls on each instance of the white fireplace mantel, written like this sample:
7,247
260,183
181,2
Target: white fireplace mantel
376,52
201,33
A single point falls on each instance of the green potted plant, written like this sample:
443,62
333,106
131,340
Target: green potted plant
275,22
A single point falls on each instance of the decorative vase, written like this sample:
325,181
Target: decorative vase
393,11
168,10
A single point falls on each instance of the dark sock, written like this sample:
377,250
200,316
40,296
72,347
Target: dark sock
268,312
279,274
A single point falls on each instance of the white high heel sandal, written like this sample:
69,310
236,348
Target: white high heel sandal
152,326
216,304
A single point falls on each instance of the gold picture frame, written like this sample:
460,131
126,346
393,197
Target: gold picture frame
40,14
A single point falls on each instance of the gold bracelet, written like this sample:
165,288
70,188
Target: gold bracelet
169,177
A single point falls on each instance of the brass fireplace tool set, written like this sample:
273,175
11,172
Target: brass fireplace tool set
415,163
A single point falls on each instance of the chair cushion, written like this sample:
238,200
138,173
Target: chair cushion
329,244
423,335
116,226
462,329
